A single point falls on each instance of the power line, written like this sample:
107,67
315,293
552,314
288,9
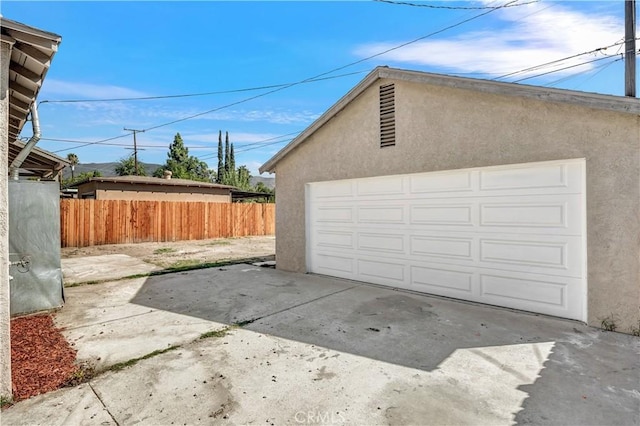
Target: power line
316,77
264,141
430,6
562,69
599,69
221,92
536,67
306,80
92,143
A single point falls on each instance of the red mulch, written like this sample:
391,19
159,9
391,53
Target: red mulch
41,359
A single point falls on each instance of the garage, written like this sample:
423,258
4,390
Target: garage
511,236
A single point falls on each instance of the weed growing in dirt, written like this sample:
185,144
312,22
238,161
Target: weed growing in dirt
5,402
184,263
609,323
164,250
83,374
215,333
218,243
122,365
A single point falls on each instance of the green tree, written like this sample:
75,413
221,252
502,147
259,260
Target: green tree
227,157
73,160
126,167
220,174
243,178
182,165
80,178
270,194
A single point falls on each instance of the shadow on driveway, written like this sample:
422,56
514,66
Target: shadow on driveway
588,377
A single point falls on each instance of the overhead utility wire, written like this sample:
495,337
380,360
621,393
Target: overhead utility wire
263,141
564,68
311,78
598,70
335,69
536,67
430,6
188,95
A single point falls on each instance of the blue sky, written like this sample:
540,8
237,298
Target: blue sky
140,49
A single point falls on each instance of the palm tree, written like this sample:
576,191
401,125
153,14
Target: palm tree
73,160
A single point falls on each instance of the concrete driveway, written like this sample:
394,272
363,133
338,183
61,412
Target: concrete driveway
316,350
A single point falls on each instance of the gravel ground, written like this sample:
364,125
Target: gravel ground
184,253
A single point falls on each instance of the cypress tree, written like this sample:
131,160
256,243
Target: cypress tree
227,154
220,175
232,161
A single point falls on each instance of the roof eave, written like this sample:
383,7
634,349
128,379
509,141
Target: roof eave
269,166
586,99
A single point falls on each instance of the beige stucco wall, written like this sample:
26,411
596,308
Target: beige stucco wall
439,128
5,337
123,191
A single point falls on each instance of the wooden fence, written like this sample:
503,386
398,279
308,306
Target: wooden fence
94,222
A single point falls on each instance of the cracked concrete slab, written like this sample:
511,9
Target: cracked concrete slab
318,350
105,267
68,406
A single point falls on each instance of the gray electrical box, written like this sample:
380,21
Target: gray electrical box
34,246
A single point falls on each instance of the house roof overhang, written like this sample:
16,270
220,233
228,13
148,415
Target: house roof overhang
591,100
148,180
32,50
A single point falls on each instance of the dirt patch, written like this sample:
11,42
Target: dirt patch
183,253
41,359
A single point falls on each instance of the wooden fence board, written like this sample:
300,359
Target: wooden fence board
95,222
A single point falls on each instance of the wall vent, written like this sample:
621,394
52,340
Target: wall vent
387,115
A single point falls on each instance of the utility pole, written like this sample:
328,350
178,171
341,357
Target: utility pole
135,148
630,48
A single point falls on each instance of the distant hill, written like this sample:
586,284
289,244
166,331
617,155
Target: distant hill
108,169
269,182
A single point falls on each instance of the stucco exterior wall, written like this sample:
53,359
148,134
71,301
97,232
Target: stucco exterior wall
440,128
123,191
5,336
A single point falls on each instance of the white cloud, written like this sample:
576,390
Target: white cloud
529,36
237,138
87,90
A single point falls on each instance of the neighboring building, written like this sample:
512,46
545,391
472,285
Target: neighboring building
511,195
152,189
25,57
39,164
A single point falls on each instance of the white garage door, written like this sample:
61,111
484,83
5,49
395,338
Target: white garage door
511,236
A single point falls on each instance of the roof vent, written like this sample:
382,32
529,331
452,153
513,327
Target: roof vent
387,115
167,174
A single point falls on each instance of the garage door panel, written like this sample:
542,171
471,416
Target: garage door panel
335,264
439,184
335,214
511,235
532,180
335,239
334,191
543,294
442,247
442,281
524,215
387,243
534,253
382,272
443,215
552,176
382,214
393,185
